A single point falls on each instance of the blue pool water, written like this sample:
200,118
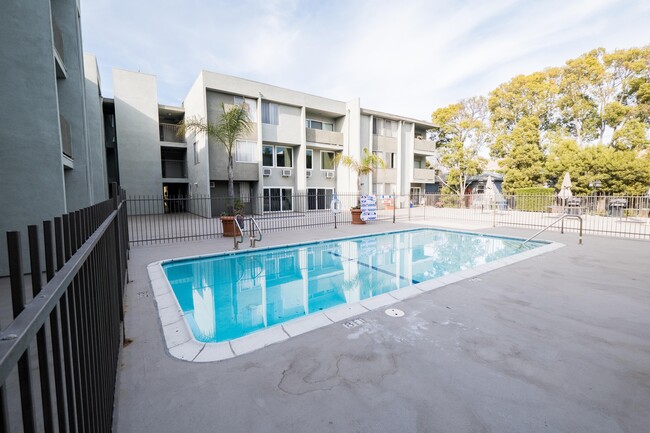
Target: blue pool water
228,296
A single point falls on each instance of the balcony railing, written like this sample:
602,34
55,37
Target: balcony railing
174,169
66,137
424,145
424,175
58,39
324,137
169,132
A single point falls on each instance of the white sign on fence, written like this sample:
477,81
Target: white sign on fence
368,207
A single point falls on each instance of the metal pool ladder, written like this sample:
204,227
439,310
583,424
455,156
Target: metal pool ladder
578,217
239,222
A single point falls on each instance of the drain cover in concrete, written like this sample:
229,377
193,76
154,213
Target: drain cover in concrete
394,312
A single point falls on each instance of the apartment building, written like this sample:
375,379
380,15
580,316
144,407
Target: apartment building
290,149
51,138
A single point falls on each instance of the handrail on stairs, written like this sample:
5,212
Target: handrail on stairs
562,218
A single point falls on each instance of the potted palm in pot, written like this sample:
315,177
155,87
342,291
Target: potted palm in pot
232,124
363,166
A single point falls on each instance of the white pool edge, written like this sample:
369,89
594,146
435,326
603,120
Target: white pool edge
181,343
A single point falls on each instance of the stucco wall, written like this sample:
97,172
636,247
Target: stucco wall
136,118
95,131
72,104
30,148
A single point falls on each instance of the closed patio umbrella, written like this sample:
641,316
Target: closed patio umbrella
490,193
565,189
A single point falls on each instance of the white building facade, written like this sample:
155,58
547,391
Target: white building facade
290,150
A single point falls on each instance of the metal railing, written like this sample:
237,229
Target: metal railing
72,322
174,168
562,218
58,39
253,226
155,219
169,132
66,136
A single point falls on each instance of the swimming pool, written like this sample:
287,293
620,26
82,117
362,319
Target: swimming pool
225,297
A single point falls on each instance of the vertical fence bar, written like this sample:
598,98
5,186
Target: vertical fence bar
61,398
41,338
62,242
18,304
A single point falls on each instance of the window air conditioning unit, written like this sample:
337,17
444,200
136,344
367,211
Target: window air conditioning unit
286,173
329,175
308,173
267,172
213,184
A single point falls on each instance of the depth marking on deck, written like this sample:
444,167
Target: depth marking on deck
353,323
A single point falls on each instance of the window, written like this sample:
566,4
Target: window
251,105
317,124
267,156
385,127
309,157
269,113
283,156
277,199
319,198
196,153
246,151
392,163
326,160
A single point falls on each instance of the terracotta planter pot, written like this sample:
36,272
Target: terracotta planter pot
356,216
230,230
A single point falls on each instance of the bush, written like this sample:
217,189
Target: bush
533,199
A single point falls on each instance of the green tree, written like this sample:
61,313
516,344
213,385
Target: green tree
363,166
579,84
563,156
533,95
462,133
523,164
232,124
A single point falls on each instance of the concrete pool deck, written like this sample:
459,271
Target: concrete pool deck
556,343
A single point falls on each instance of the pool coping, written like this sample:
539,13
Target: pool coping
181,344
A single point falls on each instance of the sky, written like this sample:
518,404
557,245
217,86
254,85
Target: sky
405,57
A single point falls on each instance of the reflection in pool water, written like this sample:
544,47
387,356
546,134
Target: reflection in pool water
228,296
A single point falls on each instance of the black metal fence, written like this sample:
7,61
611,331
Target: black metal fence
157,219
59,355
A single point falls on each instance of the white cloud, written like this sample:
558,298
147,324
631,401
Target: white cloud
407,57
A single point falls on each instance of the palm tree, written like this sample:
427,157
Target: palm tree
365,165
231,125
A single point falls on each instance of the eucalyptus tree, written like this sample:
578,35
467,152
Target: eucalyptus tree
461,135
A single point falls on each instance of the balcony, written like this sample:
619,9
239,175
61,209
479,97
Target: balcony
324,137
169,133
66,137
59,55
174,169
424,175
426,146
385,175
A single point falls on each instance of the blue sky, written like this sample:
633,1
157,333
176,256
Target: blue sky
405,57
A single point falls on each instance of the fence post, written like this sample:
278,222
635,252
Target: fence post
118,242
18,304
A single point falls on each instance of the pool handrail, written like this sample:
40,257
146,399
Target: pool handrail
259,230
561,218
241,232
